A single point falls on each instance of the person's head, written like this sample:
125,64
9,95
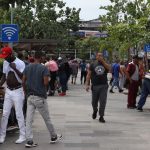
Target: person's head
54,58
31,60
99,56
38,55
135,59
117,60
20,55
83,61
7,54
47,58
121,62
59,58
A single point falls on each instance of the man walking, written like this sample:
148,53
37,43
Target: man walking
97,73
115,71
14,95
36,78
145,91
83,71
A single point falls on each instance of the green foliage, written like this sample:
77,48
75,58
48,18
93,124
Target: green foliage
127,23
41,19
86,45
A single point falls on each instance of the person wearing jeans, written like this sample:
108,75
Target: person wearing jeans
145,92
116,70
41,104
36,78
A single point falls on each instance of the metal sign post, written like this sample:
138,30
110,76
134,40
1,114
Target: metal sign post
12,17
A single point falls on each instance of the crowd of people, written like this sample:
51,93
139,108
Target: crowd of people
29,80
135,78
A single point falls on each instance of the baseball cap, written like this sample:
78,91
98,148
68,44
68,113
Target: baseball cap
59,58
5,52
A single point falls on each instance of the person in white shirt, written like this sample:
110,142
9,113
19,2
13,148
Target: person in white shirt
13,69
134,77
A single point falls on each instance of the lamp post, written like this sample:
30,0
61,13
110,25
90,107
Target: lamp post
12,14
12,18
75,54
90,53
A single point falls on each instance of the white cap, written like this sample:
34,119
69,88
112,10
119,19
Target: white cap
59,58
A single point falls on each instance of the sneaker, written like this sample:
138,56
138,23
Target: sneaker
120,91
101,119
2,139
20,140
62,94
111,91
131,107
55,139
30,144
94,115
139,109
51,94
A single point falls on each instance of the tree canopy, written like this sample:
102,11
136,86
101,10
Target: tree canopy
38,19
127,23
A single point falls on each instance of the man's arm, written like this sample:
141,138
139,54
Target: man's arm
46,80
13,66
127,73
120,71
88,78
24,82
3,79
107,66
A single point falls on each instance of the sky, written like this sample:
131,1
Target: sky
89,8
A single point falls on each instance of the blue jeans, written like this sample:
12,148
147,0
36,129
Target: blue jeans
63,82
144,93
115,83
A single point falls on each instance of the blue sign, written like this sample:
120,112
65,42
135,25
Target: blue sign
9,33
147,47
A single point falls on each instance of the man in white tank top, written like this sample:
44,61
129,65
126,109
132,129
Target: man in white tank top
133,76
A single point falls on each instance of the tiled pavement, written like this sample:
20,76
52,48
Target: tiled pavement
124,129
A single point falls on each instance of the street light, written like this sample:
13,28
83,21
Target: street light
11,18
75,54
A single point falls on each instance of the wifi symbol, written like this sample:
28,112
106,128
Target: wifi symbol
9,31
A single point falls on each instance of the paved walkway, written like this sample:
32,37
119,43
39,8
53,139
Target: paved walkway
124,129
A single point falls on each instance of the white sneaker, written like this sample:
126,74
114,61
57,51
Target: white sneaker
2,139
20,140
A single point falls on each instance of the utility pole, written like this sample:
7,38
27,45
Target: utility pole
90,53
75,54
12,18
